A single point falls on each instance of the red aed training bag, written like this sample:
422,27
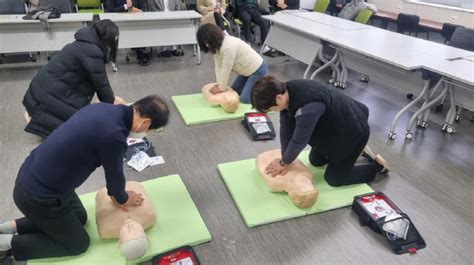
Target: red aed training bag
180,256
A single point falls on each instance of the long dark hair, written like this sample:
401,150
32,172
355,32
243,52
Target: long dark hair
211,35
108,33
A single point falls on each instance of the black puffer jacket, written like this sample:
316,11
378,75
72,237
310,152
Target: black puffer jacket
67,83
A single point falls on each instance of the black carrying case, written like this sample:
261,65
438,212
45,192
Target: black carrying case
413,242
254,120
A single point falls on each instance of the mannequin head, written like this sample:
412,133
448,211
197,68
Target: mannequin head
132,240
229,100
297,182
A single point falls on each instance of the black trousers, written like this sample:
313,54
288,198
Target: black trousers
52,227
347,172
249,14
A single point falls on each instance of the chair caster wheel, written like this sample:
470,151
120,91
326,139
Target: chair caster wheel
331,81
458,118
409,136
343,86
392,136
450,129
421,124
364,79
443,128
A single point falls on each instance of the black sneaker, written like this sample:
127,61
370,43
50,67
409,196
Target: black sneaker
177,52
270,53
166,54
144,61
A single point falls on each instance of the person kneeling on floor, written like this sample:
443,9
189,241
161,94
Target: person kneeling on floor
333,124
231,54
45,187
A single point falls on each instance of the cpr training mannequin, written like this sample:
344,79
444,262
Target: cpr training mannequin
297,182
129,227
229,100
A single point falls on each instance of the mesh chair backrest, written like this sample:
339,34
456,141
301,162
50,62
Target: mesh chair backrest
321,6
12,7
463,38
448,30
64,6
407,22
364,16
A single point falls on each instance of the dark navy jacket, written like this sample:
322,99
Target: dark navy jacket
95,136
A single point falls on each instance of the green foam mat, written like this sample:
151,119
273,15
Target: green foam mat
259,206
178,223
195,110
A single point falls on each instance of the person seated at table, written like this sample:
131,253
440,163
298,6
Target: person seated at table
352,9
277,6
248,11
333,124
212,12
133,6
280,5
71,78
231,54
166,6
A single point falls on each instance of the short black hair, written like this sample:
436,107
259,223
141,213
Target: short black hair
211,35
154,108
264,92
108,33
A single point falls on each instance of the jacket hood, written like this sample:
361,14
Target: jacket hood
88,34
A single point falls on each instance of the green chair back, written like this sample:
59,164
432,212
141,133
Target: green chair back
88,3
364,16
321,6
89,6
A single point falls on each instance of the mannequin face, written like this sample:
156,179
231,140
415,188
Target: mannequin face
131,230
132,241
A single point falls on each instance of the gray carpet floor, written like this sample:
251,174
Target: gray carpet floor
431,178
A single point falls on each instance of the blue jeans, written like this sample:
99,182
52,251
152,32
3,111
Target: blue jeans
243,84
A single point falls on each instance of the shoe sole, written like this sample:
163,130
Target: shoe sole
381,161
367,150
27,117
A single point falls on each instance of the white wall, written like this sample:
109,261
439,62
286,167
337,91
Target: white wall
434,13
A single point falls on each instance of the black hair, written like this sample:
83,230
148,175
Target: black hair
154,108
264,92
211,35
108,33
